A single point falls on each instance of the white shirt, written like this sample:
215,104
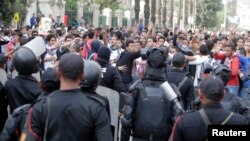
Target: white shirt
198,62
3,76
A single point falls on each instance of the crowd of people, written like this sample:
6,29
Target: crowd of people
210,73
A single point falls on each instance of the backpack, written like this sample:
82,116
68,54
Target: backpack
152,113
207,121
15,123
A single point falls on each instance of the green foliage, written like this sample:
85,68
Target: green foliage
71,10
208,13
112,4
8,9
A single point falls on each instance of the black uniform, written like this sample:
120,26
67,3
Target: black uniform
127,59
191,127
131,115
175,76
112,78
3,107
72,116
21,90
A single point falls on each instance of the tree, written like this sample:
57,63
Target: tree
146,12
179,12
208,13
153,11
164,13
171,13
159,13
8,9
137,10
71,10
112,4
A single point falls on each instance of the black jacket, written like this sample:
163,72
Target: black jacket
127,58
72,116
129,120
21,90
112,78
3,107
191,127
175,76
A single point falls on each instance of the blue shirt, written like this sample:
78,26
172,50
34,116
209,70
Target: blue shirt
244,63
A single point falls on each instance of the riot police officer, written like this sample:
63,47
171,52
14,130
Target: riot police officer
147,112
192,126
24,88
84,118
92,78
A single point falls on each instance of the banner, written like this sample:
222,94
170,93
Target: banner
45,26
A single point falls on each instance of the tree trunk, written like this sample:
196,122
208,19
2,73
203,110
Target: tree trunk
153,11
179,12
185,18
171,13
137,10
159,13
164,14
146,12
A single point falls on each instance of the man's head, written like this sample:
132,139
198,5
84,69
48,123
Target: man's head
156,64
151,42
91,34
25,61
248,44
161,41
178,60
204,50
229,49
70,67
114,40
49,80
92,75
51,39
224,40
240,43
130,46
211,90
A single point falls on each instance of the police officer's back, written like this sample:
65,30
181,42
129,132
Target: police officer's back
24,88
191,127
178,77
146,112
16,121
67,114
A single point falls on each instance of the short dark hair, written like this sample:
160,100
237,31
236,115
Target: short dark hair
91,34
232,46
70,36
71,66
203,50
129,42
49,37
153,38
139,42
161,37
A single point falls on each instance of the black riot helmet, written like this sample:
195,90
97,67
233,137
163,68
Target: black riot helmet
92,75
222,71
156,64
25,61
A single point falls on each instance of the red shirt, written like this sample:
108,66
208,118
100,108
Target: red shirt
234,64
85,51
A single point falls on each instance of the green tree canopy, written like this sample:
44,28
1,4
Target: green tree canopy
8,9
207,13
